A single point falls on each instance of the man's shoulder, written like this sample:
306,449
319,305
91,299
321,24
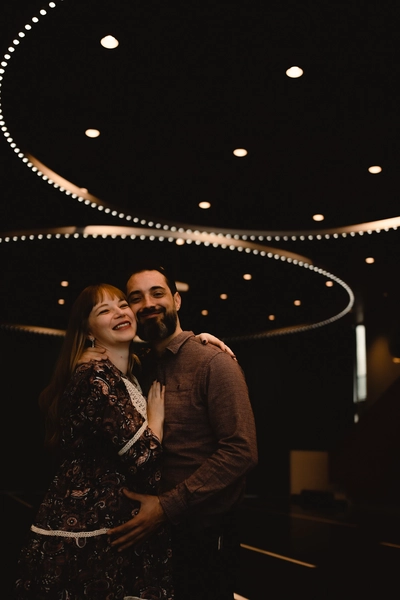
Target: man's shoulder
203,352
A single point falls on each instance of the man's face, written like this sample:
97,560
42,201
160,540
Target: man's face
154,305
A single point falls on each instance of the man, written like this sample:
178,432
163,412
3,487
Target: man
209,444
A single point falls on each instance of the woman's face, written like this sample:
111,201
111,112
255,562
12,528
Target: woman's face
111,322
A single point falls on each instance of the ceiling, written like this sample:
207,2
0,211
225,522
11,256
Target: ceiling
188,84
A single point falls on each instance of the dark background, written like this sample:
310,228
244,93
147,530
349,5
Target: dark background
189,83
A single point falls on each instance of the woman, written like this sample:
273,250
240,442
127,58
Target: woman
108,439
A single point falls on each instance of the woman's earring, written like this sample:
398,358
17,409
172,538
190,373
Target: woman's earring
92,341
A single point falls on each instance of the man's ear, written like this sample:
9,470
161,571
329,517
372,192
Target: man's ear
177,300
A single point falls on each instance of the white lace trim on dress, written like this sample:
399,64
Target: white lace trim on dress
133,440
139,402
69,534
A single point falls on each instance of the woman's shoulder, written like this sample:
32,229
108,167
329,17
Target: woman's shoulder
98,369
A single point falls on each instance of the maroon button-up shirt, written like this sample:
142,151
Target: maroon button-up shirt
209,431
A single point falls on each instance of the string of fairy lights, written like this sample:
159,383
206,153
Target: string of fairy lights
250,242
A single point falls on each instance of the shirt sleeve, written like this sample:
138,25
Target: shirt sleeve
232,422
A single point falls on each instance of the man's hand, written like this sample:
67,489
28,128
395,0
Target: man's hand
142,526
97,353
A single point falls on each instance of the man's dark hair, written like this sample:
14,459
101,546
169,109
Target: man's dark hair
153,266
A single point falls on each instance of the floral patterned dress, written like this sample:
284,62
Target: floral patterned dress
106,445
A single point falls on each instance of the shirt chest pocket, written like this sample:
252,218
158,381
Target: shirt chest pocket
183,406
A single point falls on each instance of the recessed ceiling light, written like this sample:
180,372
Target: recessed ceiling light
64,284
181,286
204,313
375,169
369,260
109,42
318,217
240,152
329,283
294,72
204,205
271,317
223,296
297,302
61,301
247,276
92,133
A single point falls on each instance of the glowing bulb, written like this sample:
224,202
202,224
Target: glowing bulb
240,152
294,72
109,42
375,169
92,133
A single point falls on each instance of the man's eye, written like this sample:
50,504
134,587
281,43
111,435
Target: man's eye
133,300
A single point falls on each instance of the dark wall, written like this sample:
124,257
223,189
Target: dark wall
26,366
301,387
366,464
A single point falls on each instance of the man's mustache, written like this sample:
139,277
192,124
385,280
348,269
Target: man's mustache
150,311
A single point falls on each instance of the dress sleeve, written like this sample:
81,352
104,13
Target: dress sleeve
108,409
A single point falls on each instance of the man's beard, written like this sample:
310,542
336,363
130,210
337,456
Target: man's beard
156,329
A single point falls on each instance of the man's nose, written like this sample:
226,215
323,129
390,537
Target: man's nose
148,301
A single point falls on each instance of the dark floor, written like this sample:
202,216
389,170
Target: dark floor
355,552
342,553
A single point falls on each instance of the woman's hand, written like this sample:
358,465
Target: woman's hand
97,353
206,338
155,408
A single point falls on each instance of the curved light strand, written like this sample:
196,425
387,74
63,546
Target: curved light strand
95,203
222,238
206,239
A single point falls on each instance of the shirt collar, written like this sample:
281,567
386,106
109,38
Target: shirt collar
176,342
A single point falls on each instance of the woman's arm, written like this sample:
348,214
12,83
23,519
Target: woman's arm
107,405
99,353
